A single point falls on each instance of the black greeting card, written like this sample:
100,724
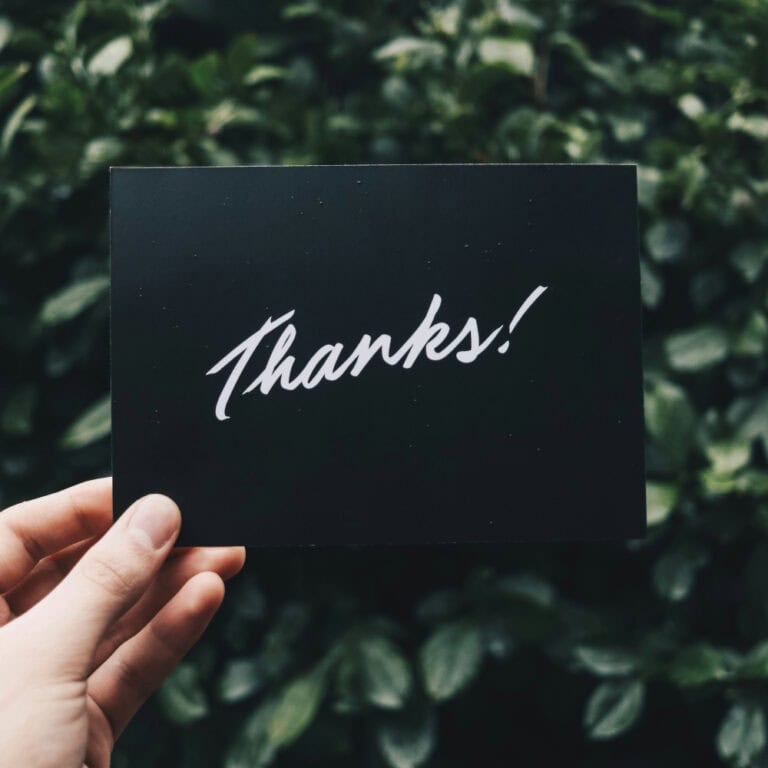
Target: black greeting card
379,354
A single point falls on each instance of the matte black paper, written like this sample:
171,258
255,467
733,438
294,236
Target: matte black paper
379,354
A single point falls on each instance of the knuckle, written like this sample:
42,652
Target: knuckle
112,578
167,647
132,677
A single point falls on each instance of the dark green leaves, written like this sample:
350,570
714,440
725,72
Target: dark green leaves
749,258
755,126
182,697
755,663
606,662
514,55
660,500
679,89
697,348
728,456
252,748
450,659
613,708
675,572
6,30
404,52
277,722
91,425
407,745
294,709
240,679
14,122
742,734
74,299
667,239
701,664
670,420
386,674
16,418
108,59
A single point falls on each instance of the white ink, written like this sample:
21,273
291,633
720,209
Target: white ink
525,306
327,364
245,352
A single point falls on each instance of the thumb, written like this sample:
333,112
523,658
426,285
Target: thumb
109,578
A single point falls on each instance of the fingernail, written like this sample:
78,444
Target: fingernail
155,520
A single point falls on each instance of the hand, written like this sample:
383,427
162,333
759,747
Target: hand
93,617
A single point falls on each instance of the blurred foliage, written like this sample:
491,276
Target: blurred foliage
650,653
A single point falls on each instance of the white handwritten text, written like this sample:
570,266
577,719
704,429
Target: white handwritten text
329,363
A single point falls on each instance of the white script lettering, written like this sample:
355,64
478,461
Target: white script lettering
328,363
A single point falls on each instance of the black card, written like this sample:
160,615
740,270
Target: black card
379,354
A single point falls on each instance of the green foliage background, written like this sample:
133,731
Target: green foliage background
650,653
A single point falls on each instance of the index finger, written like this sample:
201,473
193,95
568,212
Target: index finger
35,529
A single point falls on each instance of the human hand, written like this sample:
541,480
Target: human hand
93,618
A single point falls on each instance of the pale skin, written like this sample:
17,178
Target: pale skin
93,617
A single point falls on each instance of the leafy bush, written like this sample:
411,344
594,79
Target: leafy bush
419,656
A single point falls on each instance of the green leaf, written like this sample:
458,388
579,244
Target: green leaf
108,59
204,73
752,339
675,572
94,424
670,420
755,663
18,411
700,664
613,708
755,126
14,122
406,745
691,105
697,348
295,708
446,21
302,10
667,239
728,457
753,482
99,153
670,16
240,679
742,734
660,500
450,659
528,588
262,73
438,606
516,15
648,182
750,258
410,48
605,662
72,300
386,675
749,416
181,696
626,129
651,285
10,74
515,55
6,31
252,747
230,112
